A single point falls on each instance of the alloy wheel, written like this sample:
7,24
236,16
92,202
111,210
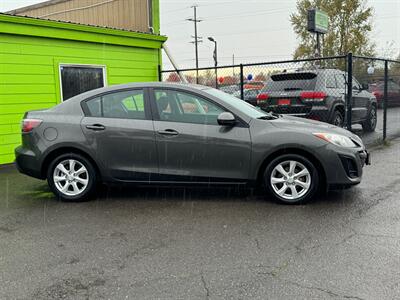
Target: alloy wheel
290,180
338,121
71,177
373,118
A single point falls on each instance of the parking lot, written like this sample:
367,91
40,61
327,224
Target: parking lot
393,127
147,243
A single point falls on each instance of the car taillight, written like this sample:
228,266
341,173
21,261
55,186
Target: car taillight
313,96
262,97
29,124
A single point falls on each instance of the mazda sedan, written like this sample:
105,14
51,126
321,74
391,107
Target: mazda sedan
160,133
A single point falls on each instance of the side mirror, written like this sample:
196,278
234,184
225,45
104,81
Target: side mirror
226,119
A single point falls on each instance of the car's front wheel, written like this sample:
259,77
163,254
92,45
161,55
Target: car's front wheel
291,179
71,177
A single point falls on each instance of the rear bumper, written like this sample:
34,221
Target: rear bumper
27,163
319,113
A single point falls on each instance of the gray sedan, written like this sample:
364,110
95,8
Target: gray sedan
158,133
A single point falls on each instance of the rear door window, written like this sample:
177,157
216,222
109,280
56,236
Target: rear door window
121,105
291,82
340,81
330,81
94,107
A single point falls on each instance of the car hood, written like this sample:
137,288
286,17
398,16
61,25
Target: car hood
311,126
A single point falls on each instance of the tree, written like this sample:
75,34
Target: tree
350,23
260,77
173,77
395,70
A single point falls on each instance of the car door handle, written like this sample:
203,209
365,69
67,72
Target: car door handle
96,127
168,132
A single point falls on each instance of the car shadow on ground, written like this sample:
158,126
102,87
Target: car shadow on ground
134,193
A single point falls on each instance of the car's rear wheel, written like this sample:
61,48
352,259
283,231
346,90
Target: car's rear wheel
72,177
291,179
369,124
338,118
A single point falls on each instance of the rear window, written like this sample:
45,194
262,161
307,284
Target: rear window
291,82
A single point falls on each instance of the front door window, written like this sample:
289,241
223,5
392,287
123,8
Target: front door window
182,107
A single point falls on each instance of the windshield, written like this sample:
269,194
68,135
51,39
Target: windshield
291,82
241,105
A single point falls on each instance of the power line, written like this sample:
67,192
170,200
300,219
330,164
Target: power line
247,14
242,32
250,14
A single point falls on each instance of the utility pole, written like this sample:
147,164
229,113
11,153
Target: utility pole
197,39
211,39
318,46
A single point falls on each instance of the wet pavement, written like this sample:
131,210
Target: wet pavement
147,243
392,129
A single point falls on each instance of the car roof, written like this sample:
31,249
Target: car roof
70,104
149,85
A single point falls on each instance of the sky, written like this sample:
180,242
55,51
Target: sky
251,30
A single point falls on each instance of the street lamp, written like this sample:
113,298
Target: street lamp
211,39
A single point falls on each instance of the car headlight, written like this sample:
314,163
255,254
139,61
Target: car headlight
358,140
336,139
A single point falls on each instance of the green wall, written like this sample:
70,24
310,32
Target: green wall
30,54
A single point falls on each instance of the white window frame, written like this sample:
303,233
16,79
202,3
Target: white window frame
61,65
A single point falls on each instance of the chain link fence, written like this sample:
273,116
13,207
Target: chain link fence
324,89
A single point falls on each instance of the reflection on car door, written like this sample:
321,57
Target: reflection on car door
191,145
119,128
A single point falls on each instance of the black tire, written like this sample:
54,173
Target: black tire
90,188
314,179
337,118
369,124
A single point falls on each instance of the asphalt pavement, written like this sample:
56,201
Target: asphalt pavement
392,128
154,243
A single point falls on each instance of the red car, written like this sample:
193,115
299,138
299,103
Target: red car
376,88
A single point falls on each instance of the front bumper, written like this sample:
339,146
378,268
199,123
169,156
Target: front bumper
27,163
365,156
345,167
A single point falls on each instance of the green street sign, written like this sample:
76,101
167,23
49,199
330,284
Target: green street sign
318,21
